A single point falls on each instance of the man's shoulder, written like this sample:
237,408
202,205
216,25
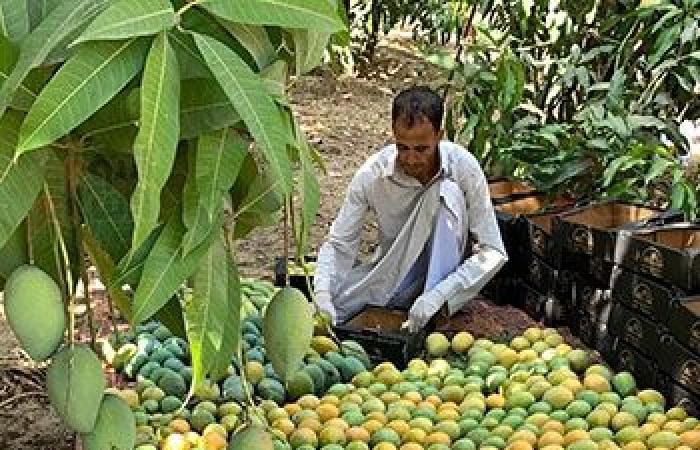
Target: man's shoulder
459,158
378,164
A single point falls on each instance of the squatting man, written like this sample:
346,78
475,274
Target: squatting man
439,242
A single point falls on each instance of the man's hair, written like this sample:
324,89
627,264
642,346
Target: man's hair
415,104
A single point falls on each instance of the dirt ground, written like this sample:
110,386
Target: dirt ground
347,119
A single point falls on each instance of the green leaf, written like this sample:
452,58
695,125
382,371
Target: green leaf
310,197
206,309
255,40
14,19
20,181
191,63
166,269
170,315
107,272
288,329
14,253
658,167
256,198
275,79
159,131
613,168
204,108
246,91
43,240
68,16
106,212
130,268
130,18
664,41
118,115
314,14
24,96
96,73
219,157
309,46
40,9
230,341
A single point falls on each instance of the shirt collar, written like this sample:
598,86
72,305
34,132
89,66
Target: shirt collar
391,171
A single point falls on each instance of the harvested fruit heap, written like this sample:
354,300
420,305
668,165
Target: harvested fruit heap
532,392
160,364
536,392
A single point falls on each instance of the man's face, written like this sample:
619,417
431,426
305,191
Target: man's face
417,149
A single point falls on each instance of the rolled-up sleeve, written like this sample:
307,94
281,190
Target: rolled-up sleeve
338,253
490,254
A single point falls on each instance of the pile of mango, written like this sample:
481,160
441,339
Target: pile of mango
535,392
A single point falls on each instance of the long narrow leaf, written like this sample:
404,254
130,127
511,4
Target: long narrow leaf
315,14
204,108
106,212
61,21
206,310
130,18
156,143
218,159
107,271
309,46
310,198
20,181
246,91
255,40
14,19
231,338
165,270
96,73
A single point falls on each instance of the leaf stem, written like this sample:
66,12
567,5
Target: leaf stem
66,264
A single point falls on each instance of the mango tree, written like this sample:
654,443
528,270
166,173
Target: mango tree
150,136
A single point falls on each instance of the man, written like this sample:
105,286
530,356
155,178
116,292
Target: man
431,198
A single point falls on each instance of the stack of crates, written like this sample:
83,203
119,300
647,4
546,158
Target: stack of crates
503,192
655,319
541,287
587,236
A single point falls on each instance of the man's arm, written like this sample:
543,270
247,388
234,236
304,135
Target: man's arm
337,254
489,256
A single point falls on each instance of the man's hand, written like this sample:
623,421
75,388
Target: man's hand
423,309
324,304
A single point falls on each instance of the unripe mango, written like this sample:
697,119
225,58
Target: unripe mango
34,310
75,385
115,427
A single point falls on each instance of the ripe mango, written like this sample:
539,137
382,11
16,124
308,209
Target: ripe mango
34,310
75,385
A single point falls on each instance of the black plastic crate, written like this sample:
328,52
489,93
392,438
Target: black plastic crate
295,280
670,253
678,395
628,358
684,322
644,334
379,332
539,274
500,290
647,296
592,329
589,296
680,363
533,301
591,231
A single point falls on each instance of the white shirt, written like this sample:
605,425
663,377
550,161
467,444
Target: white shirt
400,201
